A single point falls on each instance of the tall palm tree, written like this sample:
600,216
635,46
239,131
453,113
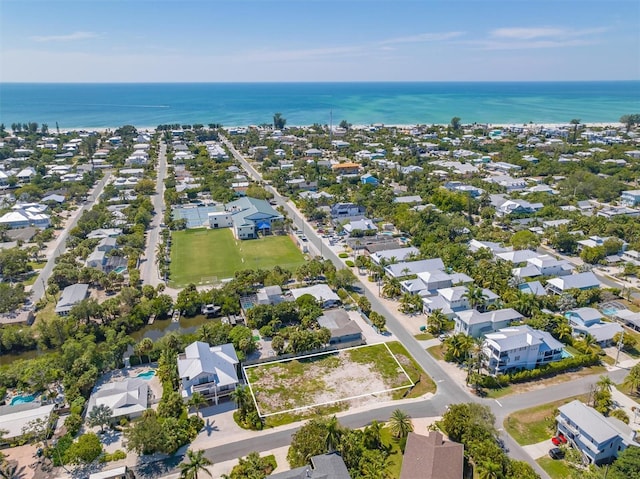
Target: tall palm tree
476,296
197,463
197,401
373,434
436,321
391,287
632,381
332,439
589,343
604,383
241,397
145,347
400,424
563,331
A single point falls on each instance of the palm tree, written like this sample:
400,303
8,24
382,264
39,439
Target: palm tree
373,435
604,383
436,321
489,470
575,122
400,424
145,347
476,296
241,397
632,381
196,401
391,287
589,343
332,439
197,463
563,331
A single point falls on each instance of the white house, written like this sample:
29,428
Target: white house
589,321
220,219
600,439
630,198
581,281
475,324
209,370
399,254
321,292
71,295
407,268
128,398
521,347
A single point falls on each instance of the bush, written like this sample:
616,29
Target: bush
550,369
343,255
73,423
115,456
349,263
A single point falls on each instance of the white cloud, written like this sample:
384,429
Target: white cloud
423,38
518,33
71,37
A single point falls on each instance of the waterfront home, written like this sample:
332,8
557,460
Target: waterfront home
432,457
209,370
325,466
14,419
522,347
322,293
71,295
476,324
600,439
128,398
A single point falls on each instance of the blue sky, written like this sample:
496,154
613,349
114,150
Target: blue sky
313,40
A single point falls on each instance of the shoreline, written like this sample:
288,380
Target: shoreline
613,124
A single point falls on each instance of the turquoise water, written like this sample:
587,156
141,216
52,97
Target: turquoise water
120,269
22,399
107,105
147,374
609,311
566,354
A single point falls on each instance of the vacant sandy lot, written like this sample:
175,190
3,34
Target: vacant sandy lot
325,379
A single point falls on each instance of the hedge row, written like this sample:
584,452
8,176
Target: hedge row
551,369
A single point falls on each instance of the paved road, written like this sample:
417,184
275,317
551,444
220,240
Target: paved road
148,266
38,288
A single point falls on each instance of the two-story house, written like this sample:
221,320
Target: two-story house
630,198
476,324
600,439
585,321
519,347
209,370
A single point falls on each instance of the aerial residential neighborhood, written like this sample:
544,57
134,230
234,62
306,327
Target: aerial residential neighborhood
195,287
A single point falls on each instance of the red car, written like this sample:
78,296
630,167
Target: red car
563,439
556,441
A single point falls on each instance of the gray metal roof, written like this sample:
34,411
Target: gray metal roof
71,295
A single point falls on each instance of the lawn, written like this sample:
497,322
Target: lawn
555,468
530,426
359,375
204,256
395,455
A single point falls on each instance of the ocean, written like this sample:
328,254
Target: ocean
101,105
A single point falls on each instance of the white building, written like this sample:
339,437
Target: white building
209,370
519,347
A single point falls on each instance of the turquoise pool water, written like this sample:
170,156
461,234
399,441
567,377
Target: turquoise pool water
566,354
120,269
609,311
146,375
22,399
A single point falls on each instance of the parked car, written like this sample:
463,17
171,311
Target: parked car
563,439
556,453
556,441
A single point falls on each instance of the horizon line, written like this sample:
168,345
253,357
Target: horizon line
301,82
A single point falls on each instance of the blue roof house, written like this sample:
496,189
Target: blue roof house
369,179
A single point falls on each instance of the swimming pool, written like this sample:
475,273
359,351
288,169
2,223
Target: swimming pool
566,354
22,399
120,269
609,311
147,374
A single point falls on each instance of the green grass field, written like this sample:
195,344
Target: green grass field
204,256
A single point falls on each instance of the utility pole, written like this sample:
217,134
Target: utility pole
620,342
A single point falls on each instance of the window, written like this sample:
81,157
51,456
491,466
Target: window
517,358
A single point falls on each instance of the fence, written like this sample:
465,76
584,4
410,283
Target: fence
325,349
